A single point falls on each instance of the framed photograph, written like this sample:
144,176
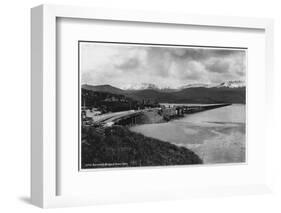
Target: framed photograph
149,106
161,105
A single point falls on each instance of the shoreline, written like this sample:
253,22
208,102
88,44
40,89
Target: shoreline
227,137
118,146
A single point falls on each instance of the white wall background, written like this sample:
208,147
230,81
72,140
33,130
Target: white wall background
15,104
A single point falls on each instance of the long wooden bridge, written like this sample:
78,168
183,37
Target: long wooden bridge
130,117
188,109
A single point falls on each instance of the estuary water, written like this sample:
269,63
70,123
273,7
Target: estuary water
216,136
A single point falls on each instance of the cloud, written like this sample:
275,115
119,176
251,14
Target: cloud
218,65
122,65
199,53
128,64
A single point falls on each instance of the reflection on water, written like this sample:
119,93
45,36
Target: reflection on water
217,135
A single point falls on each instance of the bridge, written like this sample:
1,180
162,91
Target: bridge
130,117
171,111
122,118
188,109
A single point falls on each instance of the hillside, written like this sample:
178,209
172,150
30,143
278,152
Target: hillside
205,95
106,101
211,95
104,88
117,145
195,95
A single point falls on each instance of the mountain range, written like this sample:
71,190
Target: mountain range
226,92
143,86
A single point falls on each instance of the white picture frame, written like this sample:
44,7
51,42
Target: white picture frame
44,169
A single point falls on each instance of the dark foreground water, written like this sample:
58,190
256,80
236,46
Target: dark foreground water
216,136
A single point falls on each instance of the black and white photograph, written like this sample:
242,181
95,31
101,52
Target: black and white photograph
160,105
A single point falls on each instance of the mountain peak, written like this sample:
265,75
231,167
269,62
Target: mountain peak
194,85
232,84
229,84
142,86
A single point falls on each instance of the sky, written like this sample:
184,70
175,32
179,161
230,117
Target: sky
126,66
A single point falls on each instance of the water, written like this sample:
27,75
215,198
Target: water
216,136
